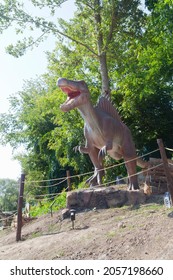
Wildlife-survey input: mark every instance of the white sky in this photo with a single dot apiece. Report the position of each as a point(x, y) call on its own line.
point(13, 72)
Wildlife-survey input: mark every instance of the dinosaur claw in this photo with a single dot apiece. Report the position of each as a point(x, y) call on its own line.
point(102, 153)
point(76, 149)
point(132, 187)
point(96, 179)
point(92, 181)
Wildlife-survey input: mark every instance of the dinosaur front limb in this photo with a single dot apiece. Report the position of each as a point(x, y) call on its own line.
point(81, 149)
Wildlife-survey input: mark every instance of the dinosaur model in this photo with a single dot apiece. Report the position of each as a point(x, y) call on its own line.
point(104, 131)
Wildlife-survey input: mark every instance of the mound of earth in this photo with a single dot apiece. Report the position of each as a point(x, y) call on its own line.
point(139, 232)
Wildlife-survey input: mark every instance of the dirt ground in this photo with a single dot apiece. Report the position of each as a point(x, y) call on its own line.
point(140, 232)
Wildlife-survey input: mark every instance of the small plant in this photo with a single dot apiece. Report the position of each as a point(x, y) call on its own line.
point(35, 234)
point(43, 208)
point(82, 185)
point(111, 234)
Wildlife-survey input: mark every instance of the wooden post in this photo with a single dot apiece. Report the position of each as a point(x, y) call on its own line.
point(51, 210)
point(19, 208)
point(68, 180)
point(166, 167)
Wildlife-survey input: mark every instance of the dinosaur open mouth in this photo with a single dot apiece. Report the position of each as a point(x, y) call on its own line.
point(70, 92)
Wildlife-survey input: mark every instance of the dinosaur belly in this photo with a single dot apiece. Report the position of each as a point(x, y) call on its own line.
point(98, 141)
point(94, 137)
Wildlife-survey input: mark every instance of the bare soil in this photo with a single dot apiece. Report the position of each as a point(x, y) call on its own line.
point(139, 232)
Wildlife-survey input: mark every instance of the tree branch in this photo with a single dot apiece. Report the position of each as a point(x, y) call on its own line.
point(76, 41)
point(113, 24)
point(49, 26)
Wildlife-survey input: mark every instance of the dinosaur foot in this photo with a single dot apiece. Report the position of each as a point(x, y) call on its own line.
point(132, 187)
point(96, 179)
point(92, 181)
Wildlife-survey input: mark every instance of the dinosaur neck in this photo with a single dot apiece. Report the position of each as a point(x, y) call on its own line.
point(89, 115)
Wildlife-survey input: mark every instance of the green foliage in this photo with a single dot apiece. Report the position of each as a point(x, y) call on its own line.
point(116, 16)
point(112, 173)
point(8, 194)
point(145, 81)
point(150, 4)
point(44, 207)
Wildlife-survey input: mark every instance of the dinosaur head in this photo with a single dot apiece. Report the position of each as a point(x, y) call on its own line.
point(77, 92)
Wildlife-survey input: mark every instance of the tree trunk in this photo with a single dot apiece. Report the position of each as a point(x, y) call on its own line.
point(104, 74)
point(101, 51)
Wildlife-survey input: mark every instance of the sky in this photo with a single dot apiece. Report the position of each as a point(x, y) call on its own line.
point(13, 73)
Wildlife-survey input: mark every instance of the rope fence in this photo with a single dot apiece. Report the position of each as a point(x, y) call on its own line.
point(138, 173)
point(7, 218)
point(63, 179)
point(53, 185)
point(47, 197)
point(50, 196)
point(87, 173)
point(54, 195)
point(169, 149)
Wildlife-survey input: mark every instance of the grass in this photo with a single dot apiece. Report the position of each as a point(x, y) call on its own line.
point(35, 234)
point(59, 202)
point(111, 234)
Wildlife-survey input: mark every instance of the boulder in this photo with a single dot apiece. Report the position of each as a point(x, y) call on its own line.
point(104, 197)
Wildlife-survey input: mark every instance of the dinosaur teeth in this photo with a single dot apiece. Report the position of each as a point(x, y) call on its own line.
point(70, 92)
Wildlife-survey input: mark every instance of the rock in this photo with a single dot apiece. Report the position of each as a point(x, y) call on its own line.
point(135, 197)
point(121, 225)
point(103, 197)
point(65, 213)
point(115, 198)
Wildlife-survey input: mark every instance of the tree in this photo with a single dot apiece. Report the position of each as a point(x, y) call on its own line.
point(145, 80)
point(150, 4)
point(8, 195)
point(33, 120)
point(97, 24)
point(138, 58)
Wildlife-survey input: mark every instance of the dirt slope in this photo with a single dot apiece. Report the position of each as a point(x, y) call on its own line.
point(141, 232)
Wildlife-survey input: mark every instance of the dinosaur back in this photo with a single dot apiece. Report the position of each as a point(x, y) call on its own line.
point(106, 105)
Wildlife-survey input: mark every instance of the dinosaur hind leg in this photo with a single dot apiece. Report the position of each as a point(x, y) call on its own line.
point(96, 179)
point(129, 155)
point(132, 177)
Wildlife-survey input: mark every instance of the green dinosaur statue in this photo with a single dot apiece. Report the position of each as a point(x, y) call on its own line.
point(104, 131)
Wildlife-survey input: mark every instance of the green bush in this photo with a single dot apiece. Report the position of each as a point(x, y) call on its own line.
point(44, 207)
